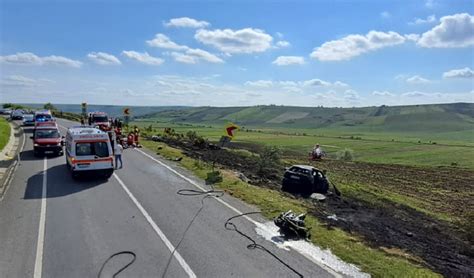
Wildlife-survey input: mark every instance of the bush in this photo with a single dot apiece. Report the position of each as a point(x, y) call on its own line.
point(346, 154)
point(269, 158)
point(213, 177)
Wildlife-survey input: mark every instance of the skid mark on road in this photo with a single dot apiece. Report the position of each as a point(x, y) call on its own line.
point(40, 243)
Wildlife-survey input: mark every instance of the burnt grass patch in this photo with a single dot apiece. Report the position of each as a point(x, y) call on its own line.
point(442, 246)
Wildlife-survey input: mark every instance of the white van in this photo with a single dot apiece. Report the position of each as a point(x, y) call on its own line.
point(89, 150)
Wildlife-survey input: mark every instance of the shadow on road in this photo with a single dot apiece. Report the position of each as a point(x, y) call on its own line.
point(28, 155)
point(28, 130)
point(60, 183)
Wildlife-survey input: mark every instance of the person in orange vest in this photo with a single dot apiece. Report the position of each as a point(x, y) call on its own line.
point(130, 139)
point(137, 135)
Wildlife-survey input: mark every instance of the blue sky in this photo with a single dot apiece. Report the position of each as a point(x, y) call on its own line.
point(227, 53)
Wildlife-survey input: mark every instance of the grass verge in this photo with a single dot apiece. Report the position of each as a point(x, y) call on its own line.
point(4, 132)
point(378, 262)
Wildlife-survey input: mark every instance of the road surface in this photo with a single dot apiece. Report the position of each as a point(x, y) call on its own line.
point(54, 226)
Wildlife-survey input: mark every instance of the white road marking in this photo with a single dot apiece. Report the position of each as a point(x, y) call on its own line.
point(329, 270)
point(40, 243)
point(158, 231)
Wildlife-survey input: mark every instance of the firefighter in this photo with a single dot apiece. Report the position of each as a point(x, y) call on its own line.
point(136, 132)
point(131, 139)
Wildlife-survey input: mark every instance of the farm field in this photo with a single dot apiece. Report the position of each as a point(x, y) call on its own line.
point(368, 147)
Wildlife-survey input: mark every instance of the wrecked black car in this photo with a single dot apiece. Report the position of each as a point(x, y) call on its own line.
point(304, 179)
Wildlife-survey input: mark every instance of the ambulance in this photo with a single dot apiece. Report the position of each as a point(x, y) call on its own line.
point(88, 150)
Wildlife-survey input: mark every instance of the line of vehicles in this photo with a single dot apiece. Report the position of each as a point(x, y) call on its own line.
point(88, 148)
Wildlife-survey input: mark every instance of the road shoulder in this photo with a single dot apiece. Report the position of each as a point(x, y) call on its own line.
point(9, 157)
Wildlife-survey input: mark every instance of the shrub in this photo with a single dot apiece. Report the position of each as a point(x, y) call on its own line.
point(269, 158)
point(346, 154)
point(213, 177)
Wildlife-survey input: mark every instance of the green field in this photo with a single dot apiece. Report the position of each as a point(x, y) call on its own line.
point(4, 132)
point(424, 135)
point(374, 147)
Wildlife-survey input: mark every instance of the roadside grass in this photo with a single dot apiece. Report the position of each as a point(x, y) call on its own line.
point(382, 262)
point(4, 132)
point(368, 147)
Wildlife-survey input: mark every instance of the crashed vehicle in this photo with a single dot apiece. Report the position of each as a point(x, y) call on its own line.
point(304, 179)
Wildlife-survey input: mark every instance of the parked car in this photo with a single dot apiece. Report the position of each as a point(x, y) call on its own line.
point(304, 179)
point(17, 115)
point(28, 120)
point(5, 111)
point(47, 139)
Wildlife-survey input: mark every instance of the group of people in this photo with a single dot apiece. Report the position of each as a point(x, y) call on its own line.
point(132, 141)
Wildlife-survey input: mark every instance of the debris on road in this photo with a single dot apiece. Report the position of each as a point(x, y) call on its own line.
point(292, 225)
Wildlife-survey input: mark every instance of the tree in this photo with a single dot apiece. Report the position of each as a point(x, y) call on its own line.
point(49, 106)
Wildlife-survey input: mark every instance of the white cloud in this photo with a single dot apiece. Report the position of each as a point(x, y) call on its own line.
point(193, 56)
point(298, 85)
point(279, 35)
point(454, 31)
point(429, 19)
point(355, 45)
point(412, 37)
point(22, 81)
point(416, 79)
point(102, 58)
point(186, 22)
point(162, 41)
point(316, 82)
point(18, 81)
point(340, 84)
point(283, 44)
point(259, 83)
point(143, 58)
point(246, 40)
point(382, 93)
point(28, 58)
point(415, 94)
point(459, 73)
point(385, 15)
point(288, 60)
point(351, 96)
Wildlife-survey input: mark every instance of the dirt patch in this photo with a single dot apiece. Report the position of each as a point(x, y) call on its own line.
point(443, 247)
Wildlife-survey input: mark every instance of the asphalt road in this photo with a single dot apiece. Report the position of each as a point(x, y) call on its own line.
point(54, 226)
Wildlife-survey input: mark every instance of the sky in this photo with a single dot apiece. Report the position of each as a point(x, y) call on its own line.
point(237, 53)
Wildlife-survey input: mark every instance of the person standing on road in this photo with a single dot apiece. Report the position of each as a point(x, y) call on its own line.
point(118, 155)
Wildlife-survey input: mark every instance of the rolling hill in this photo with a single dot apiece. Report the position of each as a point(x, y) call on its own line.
point(112, 110)
point(455, 117)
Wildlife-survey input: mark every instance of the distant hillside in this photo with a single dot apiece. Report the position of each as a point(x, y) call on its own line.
point(112, 110)
point(415, 118)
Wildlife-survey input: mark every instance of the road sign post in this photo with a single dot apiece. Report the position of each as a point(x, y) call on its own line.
point(84, 111)
point(126, 117)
